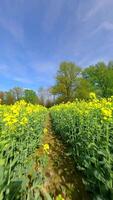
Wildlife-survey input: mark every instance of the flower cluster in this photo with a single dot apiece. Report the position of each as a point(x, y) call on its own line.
point(46, 148)
point(59, 197)
point(18, 115)
point(21, 129)
point(87, 127)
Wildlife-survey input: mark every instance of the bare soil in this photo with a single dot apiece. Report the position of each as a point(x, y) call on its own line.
point(61, 176)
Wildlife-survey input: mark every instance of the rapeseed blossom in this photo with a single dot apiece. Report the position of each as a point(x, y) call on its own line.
point(46, 148)
point(59, 197)
point(106, 113)
point(24, 121)
point(17, 115)
point(45, 130)
point(21, 128)
point(92, 95)
point(87, 126)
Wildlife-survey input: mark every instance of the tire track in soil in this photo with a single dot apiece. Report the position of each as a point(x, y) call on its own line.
point(61, 177)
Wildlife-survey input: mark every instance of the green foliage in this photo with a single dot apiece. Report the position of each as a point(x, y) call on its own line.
point(19, 180)
point(30, 96)
point(87, 128)
point(9, 98)
point(100, 76)
point(71, 83)
point(16, 94)
point(83, 89)
point(66, 81)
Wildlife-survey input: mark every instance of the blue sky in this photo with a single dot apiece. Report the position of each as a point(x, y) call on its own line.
point(36, 35)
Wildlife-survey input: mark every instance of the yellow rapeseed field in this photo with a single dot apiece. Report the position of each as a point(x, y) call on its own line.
point(87, 127)
point(21, 129)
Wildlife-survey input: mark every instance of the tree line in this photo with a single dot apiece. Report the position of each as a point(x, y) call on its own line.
point(71, 82)
point(42, 96)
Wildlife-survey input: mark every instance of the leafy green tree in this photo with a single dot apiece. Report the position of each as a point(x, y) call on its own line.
point(30, 96)
point(100, 77)
point(66, 82)
point(83, 89)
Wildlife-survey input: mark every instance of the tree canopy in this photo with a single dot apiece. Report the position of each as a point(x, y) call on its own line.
point(30, 96)
point(71, 82)
point(100, 76)
point(66, 81)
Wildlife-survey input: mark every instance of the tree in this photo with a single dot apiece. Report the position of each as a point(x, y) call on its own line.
point(45, 97)
point(2, 94)
point(17, 93)
point(83, 89)
point(30, 96)
point(41, 95)
point(66, 81)
point(9, 98)
point(100, 77)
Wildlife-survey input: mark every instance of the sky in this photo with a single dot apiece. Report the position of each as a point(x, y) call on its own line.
point(37, 35)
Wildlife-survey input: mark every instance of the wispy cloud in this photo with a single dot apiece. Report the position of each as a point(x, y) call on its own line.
point(14, 28)
point(52, 14)
point(18, 74)
point(104, 26)
point(39, 73)
point(23, 80)
point(96, 7)
point(44, 69)
point(35, 36)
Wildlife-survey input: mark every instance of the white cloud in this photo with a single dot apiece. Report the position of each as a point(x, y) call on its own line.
point(106, 25)
point(96, 7)
point(40, 72)
point(44, 68)
point(14, 28)
point(18, 73)
point(23, 80)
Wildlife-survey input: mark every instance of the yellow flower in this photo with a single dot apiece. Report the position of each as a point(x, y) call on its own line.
point(45, 130)
point(24, 121)
point(46, 148)
point(92, 95)
point(29, 109)
point(59, 197)
point(21, 103)
point(107, 113)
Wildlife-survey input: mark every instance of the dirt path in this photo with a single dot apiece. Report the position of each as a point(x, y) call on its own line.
point(61, 176)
